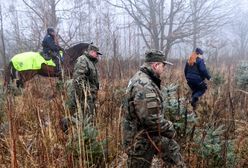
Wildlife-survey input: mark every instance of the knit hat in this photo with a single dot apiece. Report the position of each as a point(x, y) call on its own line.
point(199, 51)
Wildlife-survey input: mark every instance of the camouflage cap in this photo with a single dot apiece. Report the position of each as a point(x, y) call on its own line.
point(95, 48)
point(156, 56)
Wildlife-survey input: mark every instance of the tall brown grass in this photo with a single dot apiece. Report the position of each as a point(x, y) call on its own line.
point(34, 138)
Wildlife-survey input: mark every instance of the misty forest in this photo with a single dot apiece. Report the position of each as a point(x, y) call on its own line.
point(214, 135)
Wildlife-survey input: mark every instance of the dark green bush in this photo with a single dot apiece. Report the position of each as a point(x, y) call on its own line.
point(241, 75)
point(86, 147)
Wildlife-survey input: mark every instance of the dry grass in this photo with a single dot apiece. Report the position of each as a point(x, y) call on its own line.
point(34, 138)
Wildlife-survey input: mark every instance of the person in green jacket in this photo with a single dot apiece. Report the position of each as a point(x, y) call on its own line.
point(83, 88)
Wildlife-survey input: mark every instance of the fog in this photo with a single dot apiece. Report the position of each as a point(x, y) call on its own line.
point(175, 27)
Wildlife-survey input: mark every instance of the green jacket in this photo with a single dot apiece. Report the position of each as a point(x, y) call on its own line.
point(85, 76)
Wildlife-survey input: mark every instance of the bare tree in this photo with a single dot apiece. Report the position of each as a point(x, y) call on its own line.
point(45, 10)
point(164, 23)
point(160, 25)
point(3, 53)
point(240, 30)
point(207, 16)
point(43, 15)
point(146, 17)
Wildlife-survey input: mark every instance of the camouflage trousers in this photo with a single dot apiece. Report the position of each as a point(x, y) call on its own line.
point(142, 152)
point(83, 115)
point(82, 111)
point(78, 104)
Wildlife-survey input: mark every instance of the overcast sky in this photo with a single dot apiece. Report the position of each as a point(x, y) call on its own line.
point(65, 4)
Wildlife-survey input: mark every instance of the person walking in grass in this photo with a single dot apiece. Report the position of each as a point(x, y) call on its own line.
point(146, 132)
point(195, 72)
point(82, 89)
point(86, 80)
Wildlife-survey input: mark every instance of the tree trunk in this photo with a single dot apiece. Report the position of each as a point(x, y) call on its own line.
point(170, 32)
point(194, 24)
point(3, 53)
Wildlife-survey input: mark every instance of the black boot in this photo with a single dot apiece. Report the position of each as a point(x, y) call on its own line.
point(58, 72)
point(193, 102)
point(57, 65)
point(64, 124)
point(20, 83)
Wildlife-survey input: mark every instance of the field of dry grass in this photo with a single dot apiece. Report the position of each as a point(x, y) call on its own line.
point(33, 137)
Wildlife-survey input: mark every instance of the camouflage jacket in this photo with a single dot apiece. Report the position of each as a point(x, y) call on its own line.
point(144, 112)
point(85, 76)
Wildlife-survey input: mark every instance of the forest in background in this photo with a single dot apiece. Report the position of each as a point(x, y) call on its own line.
point(128, 28)
point(30, 133)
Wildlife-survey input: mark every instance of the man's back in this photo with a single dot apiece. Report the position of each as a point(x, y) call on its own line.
point(145, 106)
point(131, 123)
point(145, 130)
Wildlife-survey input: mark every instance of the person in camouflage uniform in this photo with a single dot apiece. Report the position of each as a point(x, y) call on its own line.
point(82, 89)
point(146, 132)
point(85, 80)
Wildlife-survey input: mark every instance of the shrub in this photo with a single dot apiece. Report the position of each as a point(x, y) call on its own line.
point(209, 141)
point(242, 75)
point(2, 103)
point(85, 146)
point(217, 79)
point(175, 110)
point(211, 145)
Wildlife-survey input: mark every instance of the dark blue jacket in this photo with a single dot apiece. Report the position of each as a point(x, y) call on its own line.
point(49, 45)
point(196, 73)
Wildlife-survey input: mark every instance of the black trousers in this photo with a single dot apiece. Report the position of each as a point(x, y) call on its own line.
point(55, 56)
point(198, 89)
